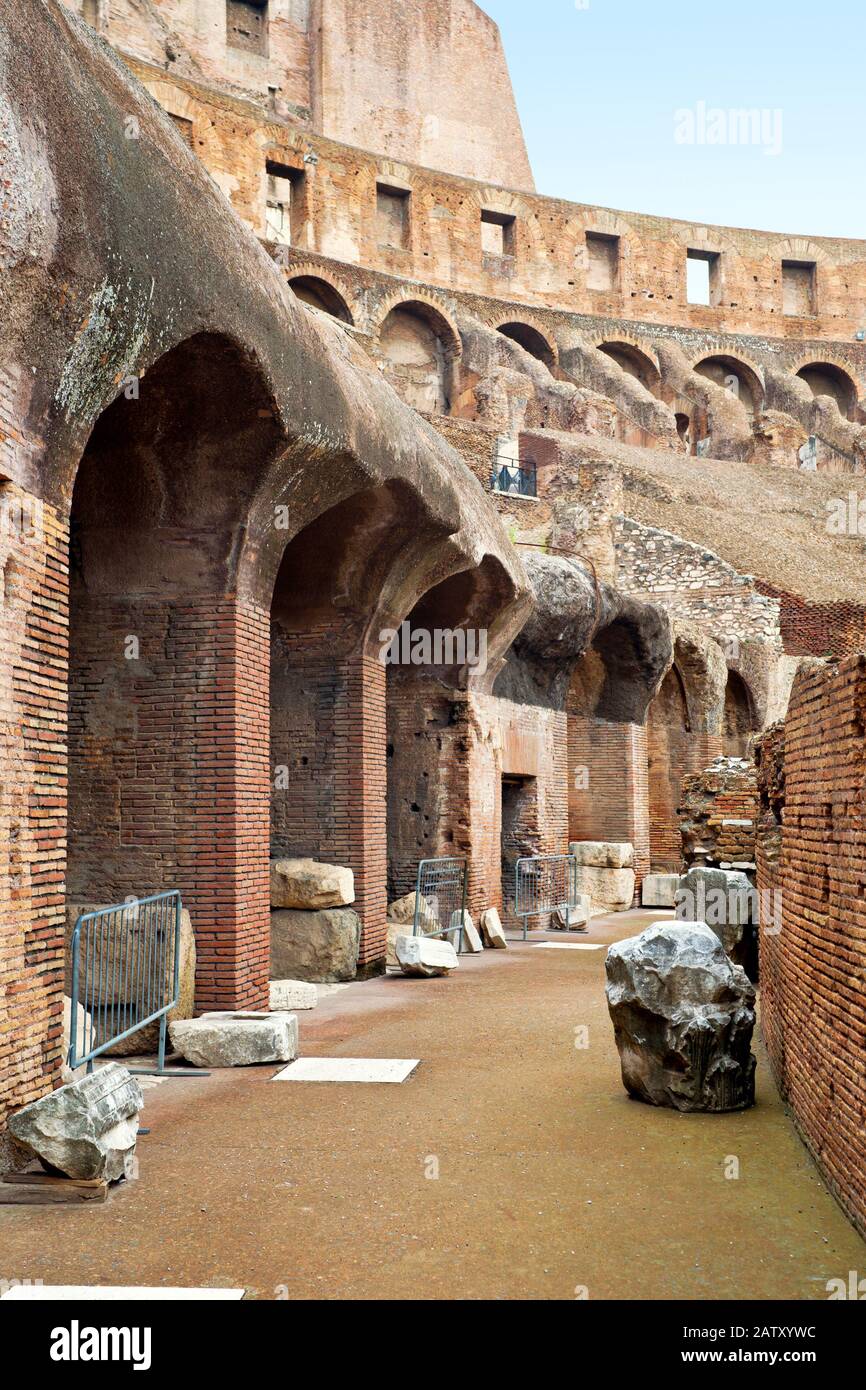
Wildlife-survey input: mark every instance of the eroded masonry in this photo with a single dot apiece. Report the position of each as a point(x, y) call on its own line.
point(291, 368)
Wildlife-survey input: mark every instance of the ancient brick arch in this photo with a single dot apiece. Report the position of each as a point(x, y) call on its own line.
point(323, 291)
point(531, 338)
point(734, 374)
point(634, 358)
point(418, 347)
point(825, 377)
point(163, 764)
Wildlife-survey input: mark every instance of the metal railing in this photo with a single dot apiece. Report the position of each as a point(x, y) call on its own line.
point(545, 885)
point(518, 479)
point(440, 899)
point(125, 973)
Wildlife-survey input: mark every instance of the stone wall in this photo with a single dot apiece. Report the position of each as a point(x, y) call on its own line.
point(424, 80)
point(693, 584)
point(812, 845)
point(546, 267)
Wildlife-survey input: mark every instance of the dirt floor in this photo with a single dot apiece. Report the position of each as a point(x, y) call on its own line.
point(550, 1180)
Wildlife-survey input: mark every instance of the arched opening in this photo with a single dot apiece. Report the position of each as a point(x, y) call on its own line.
point(636, 363)
point(320, 295)
point(530, 340)
point(444, 775)
point(826, 379)
point(160, 739)
point(734, 376)
point(418, 350)
point(684, 430)
point(739, 721)
point(608, 700)
point(669, 758)
point(327, 724)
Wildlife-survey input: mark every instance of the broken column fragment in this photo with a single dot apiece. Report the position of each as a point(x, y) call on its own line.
point(683, 1016)
point(87, 1129)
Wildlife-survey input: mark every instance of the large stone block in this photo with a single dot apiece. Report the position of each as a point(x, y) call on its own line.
point(425, 956)
point(288, 995)
point(319, 946)
point(726, 900)
point(610, 890)
point(309, 885)
point(683, 1016)
point(660, 890)
point(240, 1039)
point(151, 945)
point(602, 854)
point(468, 942)
point(491, 930)
point(86, 1129)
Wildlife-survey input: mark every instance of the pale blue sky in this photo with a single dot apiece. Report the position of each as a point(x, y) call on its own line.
point(598, 87)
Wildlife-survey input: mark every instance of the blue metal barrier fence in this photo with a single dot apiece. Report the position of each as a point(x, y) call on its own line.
point(545, 884)
point(440, 899)
point(125, 973)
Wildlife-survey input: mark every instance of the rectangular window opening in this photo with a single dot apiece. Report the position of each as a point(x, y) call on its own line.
point(392, 216)
point(497, 233)
point(702, 277)
point(247, 26)
point(798, 288)
point(602, 261)
point(284, 212)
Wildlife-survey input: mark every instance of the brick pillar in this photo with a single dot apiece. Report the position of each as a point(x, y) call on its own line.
point(614, 802)
point(33, 633)
point(224, 854)
point(169, 773)
point(328, 738)
point(360, 795)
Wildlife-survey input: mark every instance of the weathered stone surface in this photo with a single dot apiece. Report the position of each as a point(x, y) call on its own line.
point(309, 885)
point(610, 890)
point(660, 890)
point(602, 854)
point(683, 1016)
point(491, 930)
point(86, 1129)
point(315, 946)
point(288, 995)
point(469, 943)
point(403, 910)
point(727, 902)
point(425, 956)
point(240, 1039)
point(577, 916)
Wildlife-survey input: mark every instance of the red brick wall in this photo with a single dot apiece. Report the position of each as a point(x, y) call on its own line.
point(33, 634)
point(169, 774)
point(818, 629)
point(615, 803)
point(813, 1012)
